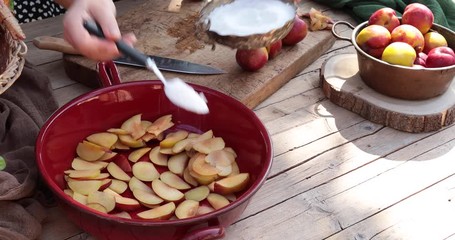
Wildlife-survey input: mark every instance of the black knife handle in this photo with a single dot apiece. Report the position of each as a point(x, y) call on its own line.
point(95, 29)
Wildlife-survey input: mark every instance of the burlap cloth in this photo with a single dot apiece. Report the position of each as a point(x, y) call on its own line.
point(24, 107)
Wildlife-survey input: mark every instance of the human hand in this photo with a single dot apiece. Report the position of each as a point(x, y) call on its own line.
point(103, 12)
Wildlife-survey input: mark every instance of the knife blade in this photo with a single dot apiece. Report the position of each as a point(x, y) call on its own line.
point(163, 63)
point(173, 65)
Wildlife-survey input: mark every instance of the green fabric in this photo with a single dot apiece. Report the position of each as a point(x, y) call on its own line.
point(443, 10)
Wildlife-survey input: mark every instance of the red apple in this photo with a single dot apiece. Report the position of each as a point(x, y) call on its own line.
point(386, 17)
point(419, 16)
point(433, 40)
point(274, 49)
point(440, 57)
point(373, 39)
point(252, 59)
point(410, 35)
point(298, 32)
point(421, 59)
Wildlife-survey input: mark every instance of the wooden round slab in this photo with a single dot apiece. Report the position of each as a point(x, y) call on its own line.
point(342, 84)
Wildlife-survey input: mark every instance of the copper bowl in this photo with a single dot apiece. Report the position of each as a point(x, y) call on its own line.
point(401, 82)
point(110, 106)
point(253, 41)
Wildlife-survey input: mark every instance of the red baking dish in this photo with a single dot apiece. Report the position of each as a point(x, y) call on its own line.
point(108, 107)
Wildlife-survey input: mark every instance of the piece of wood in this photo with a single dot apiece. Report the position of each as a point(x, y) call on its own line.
point(343, 85)
point(171, 34)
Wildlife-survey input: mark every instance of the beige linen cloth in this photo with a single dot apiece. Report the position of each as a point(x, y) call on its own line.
point(24, 107)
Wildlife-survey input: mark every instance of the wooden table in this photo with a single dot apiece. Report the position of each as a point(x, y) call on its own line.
point(335, 175)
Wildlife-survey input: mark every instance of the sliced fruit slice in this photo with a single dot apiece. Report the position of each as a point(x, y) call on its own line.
point(162, 212)
point(84, 187)
point(174, 180)
point(172, 138)
point(209, 145)
point(104, 139)
point(189, 179)
point(145, 171)
point(122, 214)
point(117, 173)
point(166, 192)
point(83, 174)
point(200, 166)
point(147, 197)
point(204, 209)
point(129, 141)
point(135, 155)
point(232, 184)
point(177, 163)
point(89, 151)
point(80, 164)
point(197, 194)
point(118, 186)
point(135, 183)
point(158, 158)
point(80, 198)
point(126, 204)
point(104, 199)
point(187, 209)
point(160, 125)
point(217, 201)
point(97, 207)
point(134, 127)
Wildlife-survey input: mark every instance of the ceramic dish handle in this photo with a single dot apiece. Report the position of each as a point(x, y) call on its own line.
point(208, 233)
point(338, 35)
point(108, 74)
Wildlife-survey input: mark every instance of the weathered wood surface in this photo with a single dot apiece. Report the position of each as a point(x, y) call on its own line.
point(335, 175)
point(171, 34)
point(343, 85)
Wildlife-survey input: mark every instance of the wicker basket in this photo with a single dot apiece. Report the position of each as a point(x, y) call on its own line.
point(12, 48)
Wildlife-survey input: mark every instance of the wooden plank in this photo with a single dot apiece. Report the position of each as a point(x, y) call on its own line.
point(349, 189)
point(154, 37)
point(426, 215)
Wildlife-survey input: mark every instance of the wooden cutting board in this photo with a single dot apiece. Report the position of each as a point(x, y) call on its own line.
point(171, 34)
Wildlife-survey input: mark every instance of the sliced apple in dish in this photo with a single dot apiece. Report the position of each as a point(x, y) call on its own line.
point(104, 199)
point(104, 139)
point(126, 204)
point(145, 171)
point(187, 209)
point(134, 127)
point(148, 198)
point(162, 212)
point(117, 173)
point(197, 194)
point(232, 184)
point(217, 201)
point(118, 186)
point(157, 157)
point(90, 151)
point(172, 138)
point(80, 164)
point(84, 187)
point(174, 181)
point(177, 163)
point(135, 183)
point(166, 192)
point(135, 155)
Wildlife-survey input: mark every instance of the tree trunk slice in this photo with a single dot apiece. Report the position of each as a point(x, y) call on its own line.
point(342, 84)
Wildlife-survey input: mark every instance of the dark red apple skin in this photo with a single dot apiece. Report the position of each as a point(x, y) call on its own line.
point(274, 49)
point(298, 32)
point(440, 57)
point(251, 59)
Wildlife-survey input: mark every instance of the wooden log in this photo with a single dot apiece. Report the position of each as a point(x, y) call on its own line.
point(342, 84)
